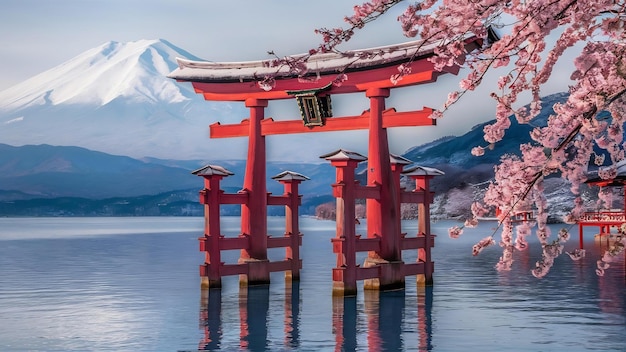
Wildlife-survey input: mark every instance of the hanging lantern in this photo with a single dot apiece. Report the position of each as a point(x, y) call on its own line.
point(314, 105)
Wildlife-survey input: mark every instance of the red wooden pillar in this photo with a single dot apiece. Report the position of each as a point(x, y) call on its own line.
point(422, 176)
point(344, 244)
point(383, 213)
point(254, 211)
point(290, 181)
point(210, 197)
point(423, 215)
point(397, 165)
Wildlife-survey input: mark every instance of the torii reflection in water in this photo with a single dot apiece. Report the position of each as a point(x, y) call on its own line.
point(386, 320)
point(253, 317)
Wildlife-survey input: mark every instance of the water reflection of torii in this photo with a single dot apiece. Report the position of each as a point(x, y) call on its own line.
point(253, 318)
point(386, 321)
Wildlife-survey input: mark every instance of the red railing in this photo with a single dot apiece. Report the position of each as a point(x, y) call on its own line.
point(603, 216)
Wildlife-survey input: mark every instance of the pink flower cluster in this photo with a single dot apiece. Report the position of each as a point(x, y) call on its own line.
point(482, 244)
point(576, 254)
point(610, 255)
point(455, 232)
point(550, 252)
point(363, 14)
point(605, 198)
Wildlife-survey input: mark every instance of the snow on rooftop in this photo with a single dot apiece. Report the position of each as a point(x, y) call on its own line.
point(400, 160)
point(290, 175)
point(209, 170)
point(189, 70)
point(418, 170)
point(343, 154)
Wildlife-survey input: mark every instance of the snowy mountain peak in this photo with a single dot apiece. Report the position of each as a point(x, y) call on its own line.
point(134, 71)
point(116, 98)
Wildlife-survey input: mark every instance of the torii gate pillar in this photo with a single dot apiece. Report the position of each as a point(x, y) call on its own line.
point(383, 213)
point(254, 211)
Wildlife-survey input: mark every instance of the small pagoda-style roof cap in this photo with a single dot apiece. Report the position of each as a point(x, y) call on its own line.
point(290, 176)
point(343, 154)
point(399, 160)
point(418, 170)
point(209, 170)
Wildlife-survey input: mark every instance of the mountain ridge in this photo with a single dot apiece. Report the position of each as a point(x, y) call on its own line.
point(457, 150)
point(116, 98)
point(65, 83)
point(48, 171)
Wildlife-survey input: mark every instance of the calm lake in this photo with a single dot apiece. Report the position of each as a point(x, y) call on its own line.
point(131, 284)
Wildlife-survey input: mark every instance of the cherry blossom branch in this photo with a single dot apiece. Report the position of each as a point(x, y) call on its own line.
point(363, 14)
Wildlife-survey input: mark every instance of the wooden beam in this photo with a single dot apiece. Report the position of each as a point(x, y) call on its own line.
point(422, 72)
point(391, 118)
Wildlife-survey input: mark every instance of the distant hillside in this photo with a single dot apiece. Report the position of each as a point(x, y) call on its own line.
point(456, 150)
point(174, 203)
point(72, 181)
point(53, 180)
point(46, 171)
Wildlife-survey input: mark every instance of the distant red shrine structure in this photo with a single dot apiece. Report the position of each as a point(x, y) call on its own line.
point(256, 83)
point(605, 219)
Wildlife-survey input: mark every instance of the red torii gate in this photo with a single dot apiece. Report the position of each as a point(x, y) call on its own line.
point(367, 71)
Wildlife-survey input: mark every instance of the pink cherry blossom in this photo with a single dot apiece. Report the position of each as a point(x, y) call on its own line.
point(482, 244)
point(455, 232)
point(478, 151)
point(576, 254)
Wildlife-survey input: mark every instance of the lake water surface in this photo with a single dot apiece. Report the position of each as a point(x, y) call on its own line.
point(131, 284)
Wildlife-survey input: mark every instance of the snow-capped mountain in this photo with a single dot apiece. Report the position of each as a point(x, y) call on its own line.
point(115, 98)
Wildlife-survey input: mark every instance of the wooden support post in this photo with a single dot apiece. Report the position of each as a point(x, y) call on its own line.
point(212, 232)
point(344, 275)
point(397, 165)
point(344, 244)
point(383, 213)
point(210, 197)
point(423, 215)
point(292, 229)
point(254, 211)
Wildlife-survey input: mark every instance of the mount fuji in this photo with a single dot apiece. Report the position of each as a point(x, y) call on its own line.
point(116, 99)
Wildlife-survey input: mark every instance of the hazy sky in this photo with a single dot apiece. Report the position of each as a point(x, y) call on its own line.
point(36, 35)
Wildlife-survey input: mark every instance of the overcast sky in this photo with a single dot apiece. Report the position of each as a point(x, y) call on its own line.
point(36, 35)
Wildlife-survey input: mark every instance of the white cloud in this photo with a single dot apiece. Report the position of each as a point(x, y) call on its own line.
point(17, 119)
